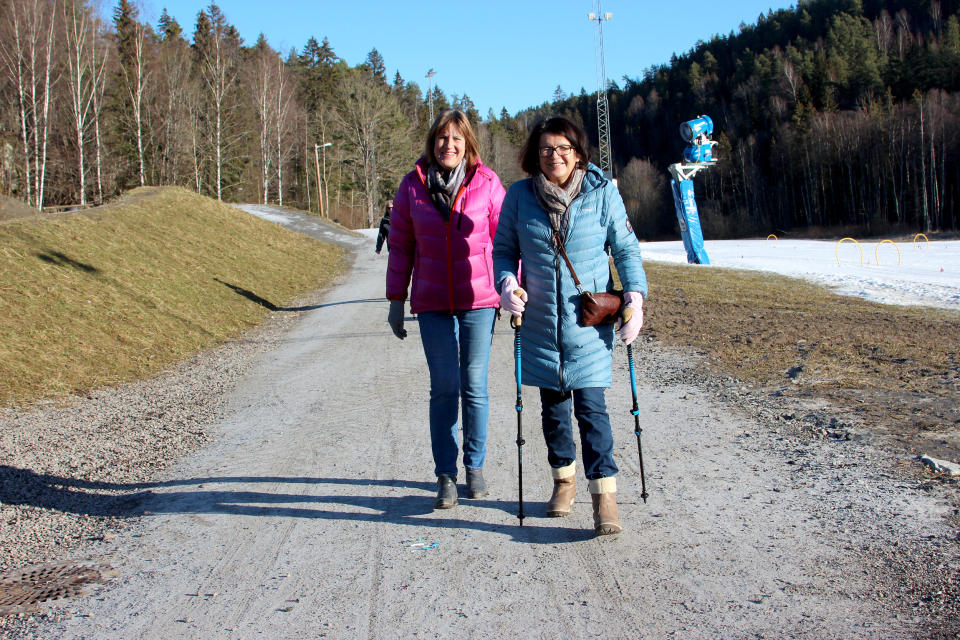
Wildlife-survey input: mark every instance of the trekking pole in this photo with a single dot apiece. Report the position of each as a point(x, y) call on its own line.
point(515, 322)
point(627, 313)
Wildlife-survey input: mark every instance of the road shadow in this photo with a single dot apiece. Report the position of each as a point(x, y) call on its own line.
point(138, 499)
point(266, 304)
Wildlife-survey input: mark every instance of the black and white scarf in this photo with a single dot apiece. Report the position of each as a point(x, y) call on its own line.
point(444, 191)
point(555, 200)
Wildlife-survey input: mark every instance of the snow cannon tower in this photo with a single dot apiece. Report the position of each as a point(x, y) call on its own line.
point(697, 155)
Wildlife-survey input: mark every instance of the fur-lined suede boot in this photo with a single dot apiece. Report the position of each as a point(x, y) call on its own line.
point(606, 520)
point(564, 491)
point(446, 493)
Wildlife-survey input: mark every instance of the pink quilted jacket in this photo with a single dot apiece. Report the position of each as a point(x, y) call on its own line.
point(449, 263)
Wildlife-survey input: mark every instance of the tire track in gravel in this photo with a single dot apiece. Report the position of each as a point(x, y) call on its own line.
point(377, 541)
point(593, 563)
point(244, 560)
point(386, 469)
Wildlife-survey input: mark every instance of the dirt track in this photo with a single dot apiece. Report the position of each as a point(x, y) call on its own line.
point(310, 513)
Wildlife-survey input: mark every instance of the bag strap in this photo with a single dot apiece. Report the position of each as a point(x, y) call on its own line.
point(559, 242)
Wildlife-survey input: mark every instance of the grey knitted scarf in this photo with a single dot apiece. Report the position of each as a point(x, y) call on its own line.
point(444, 191)
point(556, 200)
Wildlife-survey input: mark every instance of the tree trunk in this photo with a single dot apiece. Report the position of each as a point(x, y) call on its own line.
point(923, 170)
point(82, 76)
point(14, 61)
point(47, 85)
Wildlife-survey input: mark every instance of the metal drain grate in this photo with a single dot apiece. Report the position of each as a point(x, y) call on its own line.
point(23, 589)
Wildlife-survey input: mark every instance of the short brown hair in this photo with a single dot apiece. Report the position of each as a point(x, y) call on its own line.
point(557, 125)
point(459, 120)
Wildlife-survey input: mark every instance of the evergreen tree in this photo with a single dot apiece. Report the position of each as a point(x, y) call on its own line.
point(168, 27)
point(375, 64)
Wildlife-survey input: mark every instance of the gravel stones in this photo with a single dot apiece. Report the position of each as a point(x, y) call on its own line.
point(74, 471)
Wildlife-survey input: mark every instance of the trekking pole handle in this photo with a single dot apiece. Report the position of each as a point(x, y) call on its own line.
point(516, 321)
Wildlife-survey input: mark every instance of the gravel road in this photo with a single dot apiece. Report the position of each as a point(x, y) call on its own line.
point(303, 509)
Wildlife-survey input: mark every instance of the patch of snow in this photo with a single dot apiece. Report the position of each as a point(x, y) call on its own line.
point(926, 274)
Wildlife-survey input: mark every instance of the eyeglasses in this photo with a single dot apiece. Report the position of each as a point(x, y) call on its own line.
point(562, 150)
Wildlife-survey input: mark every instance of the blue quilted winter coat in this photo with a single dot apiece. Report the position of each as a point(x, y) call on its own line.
point(557, 351)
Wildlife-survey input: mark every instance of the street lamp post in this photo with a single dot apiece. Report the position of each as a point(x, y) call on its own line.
point(316, 159)
point(430, 75)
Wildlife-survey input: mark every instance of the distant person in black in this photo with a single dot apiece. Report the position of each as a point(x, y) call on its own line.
point(385, 227)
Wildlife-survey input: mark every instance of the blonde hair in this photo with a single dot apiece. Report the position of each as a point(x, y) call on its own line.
point(459, 120)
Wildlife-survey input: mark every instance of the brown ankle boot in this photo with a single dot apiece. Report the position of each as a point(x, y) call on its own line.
point(606, 520)
point(564, 491)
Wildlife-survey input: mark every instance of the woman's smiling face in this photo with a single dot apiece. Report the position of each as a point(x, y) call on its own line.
point(557, 168)
point(449, 147)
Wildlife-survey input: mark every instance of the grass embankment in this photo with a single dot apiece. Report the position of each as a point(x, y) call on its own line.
point(118, 293)
point(11, 208)
point(898, 368)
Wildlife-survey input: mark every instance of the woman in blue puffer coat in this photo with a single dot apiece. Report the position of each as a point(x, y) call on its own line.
point(567, 200)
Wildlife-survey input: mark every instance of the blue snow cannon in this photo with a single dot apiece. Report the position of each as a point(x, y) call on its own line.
point(692, 129)
point(698, 153)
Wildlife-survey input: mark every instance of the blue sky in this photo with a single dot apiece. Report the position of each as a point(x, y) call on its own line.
point(500, 53)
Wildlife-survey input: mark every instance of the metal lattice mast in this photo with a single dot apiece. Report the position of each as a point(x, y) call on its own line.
point(603, 118)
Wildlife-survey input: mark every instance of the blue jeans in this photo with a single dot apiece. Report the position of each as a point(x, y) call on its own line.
point(457, 347)
point(596, 439)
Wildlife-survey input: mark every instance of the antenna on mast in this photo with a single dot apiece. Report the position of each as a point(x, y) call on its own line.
point(603, 118)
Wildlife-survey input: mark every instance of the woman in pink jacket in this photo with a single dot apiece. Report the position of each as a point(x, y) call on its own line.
point(444, 220)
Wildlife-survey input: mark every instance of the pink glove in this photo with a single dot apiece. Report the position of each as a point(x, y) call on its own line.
point(629, 330)
point(512, 297)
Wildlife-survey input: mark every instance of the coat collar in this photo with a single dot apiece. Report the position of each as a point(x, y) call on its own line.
point(422, 164)
point(593, 179)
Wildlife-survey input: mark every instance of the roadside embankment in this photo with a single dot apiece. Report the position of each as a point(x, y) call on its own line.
point(118, 293)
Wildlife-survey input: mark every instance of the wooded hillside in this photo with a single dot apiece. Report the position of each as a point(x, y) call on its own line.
point(833, 113)
point(837, 112)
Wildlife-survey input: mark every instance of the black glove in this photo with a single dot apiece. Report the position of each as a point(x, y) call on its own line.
point(395, 319)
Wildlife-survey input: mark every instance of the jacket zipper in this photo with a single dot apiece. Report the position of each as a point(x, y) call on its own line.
point(460, 192)
point(557, 269)
point(463, 188)
point(556, 266)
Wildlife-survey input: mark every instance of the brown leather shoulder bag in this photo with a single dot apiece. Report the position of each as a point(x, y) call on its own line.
point(596, 307)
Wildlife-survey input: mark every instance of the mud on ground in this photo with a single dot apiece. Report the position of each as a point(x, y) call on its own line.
point(891, 371)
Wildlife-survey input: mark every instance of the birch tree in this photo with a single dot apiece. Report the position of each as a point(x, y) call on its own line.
point(261, 79)
point(283, 98)
point(84, 74)
point(374, 132)
point(99, 54)
point(217, 45)
point(27, 52)
point(131, 46)
point(176, 103)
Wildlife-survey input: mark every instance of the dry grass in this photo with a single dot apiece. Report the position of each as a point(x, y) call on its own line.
point(11, 208)
point(120, 292)
point(896, 368)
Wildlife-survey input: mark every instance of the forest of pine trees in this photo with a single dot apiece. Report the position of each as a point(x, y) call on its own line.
point(835, 113)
